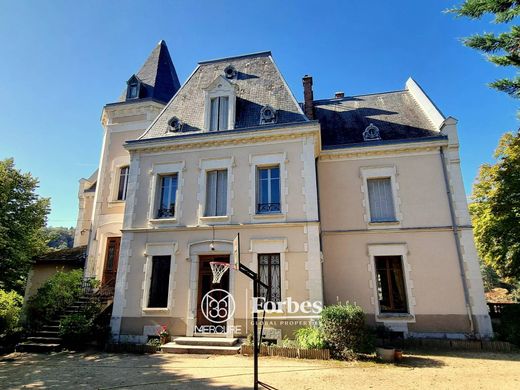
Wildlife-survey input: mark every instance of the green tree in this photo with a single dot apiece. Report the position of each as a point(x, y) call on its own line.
point(502, 49)
point(495, 209)
point(59, 237)
point(22, 218)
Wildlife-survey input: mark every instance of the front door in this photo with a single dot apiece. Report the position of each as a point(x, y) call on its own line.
point(206, 285)
point(111, 260)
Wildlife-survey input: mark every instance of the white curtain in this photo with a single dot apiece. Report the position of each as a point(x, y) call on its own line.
point(381, 200)
point(216, 193)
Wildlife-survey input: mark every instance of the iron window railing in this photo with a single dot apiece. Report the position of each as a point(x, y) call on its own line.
point(166, 212)
point(266, 208)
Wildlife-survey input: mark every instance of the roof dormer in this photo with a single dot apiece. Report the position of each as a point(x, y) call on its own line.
point(133, 88)
point(220, 105)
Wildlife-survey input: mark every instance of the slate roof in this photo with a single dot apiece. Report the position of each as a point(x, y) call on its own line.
point(158, 76)
point(258, 83)
point(396, 114)
point(75, 255)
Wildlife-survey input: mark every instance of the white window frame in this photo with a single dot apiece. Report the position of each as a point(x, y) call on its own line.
point(401, 250)
point(117, 164)
point(380, 173)
point(212, 165)
point(125, 187)
point(158, 170)
point(159, 249)
point(266, 161)
point(220, 87)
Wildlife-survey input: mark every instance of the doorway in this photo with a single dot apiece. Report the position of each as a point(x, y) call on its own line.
point(111, 261)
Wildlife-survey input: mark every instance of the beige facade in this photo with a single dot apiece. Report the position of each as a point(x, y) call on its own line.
point(324, 231)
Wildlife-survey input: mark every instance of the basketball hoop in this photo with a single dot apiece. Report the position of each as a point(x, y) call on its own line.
point(219, 269)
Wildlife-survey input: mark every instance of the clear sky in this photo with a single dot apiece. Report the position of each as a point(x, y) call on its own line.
point(61, 61)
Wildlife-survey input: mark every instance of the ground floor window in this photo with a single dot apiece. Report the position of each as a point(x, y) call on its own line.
point(391, 288)
point(269, 271)
point(160, 279)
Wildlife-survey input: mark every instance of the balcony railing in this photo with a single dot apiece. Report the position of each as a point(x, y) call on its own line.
point(166, 212)
point(267, 208)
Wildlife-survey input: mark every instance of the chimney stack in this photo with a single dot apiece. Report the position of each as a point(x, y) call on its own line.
point(308, 97)
point(339, 95)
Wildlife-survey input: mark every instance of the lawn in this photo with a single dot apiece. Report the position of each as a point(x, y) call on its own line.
point(95, 370)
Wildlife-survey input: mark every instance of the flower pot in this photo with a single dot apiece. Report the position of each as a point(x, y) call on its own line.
point(398, 355)
point(385, 354)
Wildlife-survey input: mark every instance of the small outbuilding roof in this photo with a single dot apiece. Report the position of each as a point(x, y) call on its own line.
point(74, 255)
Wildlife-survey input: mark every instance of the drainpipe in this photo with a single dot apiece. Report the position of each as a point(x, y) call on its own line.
point(455, 229)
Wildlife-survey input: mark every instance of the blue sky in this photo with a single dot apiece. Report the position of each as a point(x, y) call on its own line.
point(61, 61)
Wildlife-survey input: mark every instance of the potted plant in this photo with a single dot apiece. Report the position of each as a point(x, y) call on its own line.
point(164, 335)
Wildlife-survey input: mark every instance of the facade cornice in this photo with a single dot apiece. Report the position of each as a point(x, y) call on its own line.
point(212, 140)
point(382, 150)
point(129, 109)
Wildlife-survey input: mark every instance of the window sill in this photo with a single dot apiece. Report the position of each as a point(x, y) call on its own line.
point(156, 311)
point(384, 224)
point(219, 218)
point(116, 202)
point(269, 216)
point(160, 221)
point(404, 317)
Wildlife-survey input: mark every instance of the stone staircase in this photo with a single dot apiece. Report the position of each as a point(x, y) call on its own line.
point(47, 338)
point(203, 345)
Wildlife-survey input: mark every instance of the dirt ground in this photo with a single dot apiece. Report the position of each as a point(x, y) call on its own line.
point(95, 370)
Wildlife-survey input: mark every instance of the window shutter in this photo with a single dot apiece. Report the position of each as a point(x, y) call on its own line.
point(381, 200)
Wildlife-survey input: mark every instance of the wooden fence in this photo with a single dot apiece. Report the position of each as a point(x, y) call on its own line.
point(298, 353)
point(462, 345)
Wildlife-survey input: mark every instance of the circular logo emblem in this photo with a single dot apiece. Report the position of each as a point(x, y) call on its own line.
point(218, 306)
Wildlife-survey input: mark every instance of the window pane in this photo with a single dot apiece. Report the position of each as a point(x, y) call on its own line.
point(159, 283)
point(213, 126)
point(123, 183)
point(268, 193)
point(269, 272)
point(211, 194)
point(390, 284)
point(168, 196)
point(381, 200)
point(221, 192)
point(223, 113)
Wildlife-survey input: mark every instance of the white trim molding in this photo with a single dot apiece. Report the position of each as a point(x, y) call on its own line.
point(158, 170)
point(261, 161)
point(117, 164)
point(377, 172)
point(210, 165)
point(397, 249)
point(159, 249)
point(220, 87)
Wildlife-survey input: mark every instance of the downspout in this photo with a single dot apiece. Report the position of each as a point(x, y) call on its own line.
point(320, 236)
point(455, 229)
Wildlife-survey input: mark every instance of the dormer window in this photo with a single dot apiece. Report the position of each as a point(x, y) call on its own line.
point(219, 113)
point(220, 105)
point(230, 72)
point(175, 125)
point(267, 115)
point(133, 87)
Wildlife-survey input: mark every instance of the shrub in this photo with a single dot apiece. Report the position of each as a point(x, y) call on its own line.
point(76, 328)
point(509, 328)
point(10, 309)
point(310, 337)
point(60, 291)
point(343, 328)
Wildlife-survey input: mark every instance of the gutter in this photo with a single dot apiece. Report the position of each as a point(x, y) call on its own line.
point(456, 237)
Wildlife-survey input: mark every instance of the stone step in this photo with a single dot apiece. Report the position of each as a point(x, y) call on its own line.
point(206, 341)
point(37, 347)
point(200, 349)
point(44, 340)
point(47, 333)
point(51, 328)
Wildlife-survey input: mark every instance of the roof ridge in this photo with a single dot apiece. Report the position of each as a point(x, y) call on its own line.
point(366, 94)
point(256, 54)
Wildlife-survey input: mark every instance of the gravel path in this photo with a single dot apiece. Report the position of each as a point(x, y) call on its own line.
point(461, 370)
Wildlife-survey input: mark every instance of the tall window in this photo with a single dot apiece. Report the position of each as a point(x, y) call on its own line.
point(123, 183)
point(216, 193)
point(269, 271)
point(159, 283)
point(133, 90)
point(268, 193)
point(390, 284)
point(168, 195)
point(219, 113)
point(381, 200)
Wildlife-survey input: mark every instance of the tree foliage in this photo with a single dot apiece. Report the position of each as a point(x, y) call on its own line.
point(10, 309)
point(22, 218)
point(496, 209)
point(502, 49)
point(60, 237)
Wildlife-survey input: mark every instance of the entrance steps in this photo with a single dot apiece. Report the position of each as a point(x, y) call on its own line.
point(203, 345)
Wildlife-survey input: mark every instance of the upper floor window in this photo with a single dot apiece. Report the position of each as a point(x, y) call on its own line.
point(268, 190)
point(391, 289)
point(132, 89)
point(216, 193)
point(168, 195)
point(219, 113)
point(381, 200)
point(123, 183)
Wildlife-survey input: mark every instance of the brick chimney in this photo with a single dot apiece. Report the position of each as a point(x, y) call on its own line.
point(339, 95)
point(308, 97)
